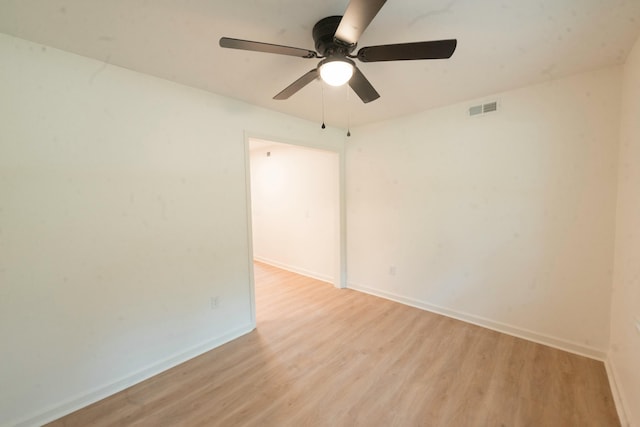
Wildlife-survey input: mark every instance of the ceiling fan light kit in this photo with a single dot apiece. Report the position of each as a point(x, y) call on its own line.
point(336, 71)
point(335, 38)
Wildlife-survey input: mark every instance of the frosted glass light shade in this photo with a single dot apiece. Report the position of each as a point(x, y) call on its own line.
point(336, 72)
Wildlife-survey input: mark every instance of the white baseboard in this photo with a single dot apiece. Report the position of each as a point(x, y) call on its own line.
point(294, 269)
point(561, 344)
point(618, 396)
point(58, 410)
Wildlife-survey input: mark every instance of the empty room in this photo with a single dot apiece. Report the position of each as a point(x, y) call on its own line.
point(303, 213)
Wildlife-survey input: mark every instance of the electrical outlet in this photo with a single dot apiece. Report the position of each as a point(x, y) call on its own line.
point(392, 270)
point(215, 302)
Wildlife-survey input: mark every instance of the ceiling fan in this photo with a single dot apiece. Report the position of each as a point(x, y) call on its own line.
point(335, 38)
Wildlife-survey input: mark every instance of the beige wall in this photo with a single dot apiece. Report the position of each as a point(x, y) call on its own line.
point(123, 210)
point(505, 220)
point(625, 308)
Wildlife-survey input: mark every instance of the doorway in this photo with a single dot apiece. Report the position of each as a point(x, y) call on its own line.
point(295, 208)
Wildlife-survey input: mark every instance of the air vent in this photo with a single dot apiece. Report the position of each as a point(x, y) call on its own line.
point(478, 110)
point(490, 107)
point(475, 110)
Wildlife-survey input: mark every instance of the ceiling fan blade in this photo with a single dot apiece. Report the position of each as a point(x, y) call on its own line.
point(266, 47)
point(362, 87)
point(356, 19)
point(437, 49)
point(297, 85)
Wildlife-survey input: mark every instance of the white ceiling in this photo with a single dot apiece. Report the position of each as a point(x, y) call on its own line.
point(502, 44)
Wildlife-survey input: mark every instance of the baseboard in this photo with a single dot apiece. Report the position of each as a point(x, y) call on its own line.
point(515, 331)
point(294, 269)
point(618, 397)
point(61, 409)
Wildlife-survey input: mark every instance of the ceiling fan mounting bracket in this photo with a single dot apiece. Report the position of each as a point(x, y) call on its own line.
point(326, 44)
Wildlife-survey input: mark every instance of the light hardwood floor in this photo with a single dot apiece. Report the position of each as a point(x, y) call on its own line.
point(327, 357)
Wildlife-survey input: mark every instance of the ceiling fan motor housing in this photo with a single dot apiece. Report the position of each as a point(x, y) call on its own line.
point(323, 36)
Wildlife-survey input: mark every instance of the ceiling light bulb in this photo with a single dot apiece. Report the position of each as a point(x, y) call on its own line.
point(336, 72)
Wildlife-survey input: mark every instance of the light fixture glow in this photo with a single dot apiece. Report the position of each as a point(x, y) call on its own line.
point(336, 72)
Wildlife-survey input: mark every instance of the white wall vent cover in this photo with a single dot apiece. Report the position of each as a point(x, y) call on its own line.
point(478, 110)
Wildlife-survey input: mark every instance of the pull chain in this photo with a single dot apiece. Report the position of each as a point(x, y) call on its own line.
point(348, 113)
point(322, 88)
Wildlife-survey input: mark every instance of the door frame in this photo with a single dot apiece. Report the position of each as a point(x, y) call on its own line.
point(340, 276)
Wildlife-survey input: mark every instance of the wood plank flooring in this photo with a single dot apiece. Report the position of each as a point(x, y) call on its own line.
point(321, 356)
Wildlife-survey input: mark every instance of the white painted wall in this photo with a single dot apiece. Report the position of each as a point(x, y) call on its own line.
point(505, 220)
point(625, 312)
point(123, 209)
point(296, 209)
